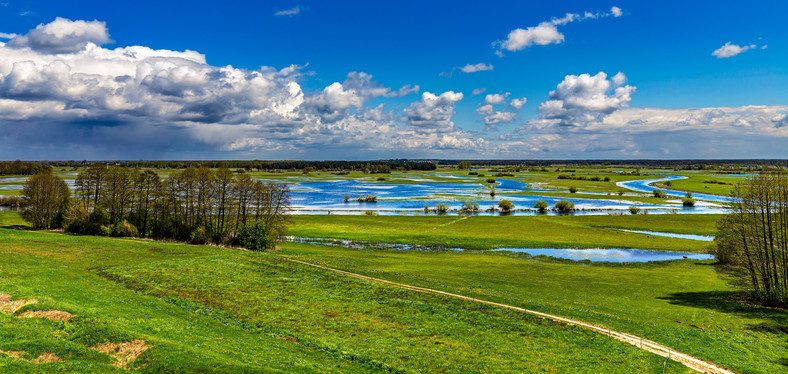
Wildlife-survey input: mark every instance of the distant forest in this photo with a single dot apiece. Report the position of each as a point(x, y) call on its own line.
point(385, 166)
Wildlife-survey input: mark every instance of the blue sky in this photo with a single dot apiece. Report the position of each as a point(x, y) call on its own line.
point(698, 72)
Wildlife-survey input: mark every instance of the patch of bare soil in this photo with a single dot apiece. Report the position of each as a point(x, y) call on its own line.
point(123, 353)
point(9, 306)
point(14, 354)
point(44, 358)
point(53, 315)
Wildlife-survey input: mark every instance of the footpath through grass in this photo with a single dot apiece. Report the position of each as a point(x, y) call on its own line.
point(684, 304)
point(208, 309)
point(480, 232)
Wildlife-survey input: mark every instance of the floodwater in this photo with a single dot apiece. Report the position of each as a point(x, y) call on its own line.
point(324, 195)
point(643, 186)
point(620, 255)
point(703, 238)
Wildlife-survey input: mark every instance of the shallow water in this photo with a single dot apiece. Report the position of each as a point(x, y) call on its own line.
point(595, 255)
point(610, 254)
point(643, 186)
point(704, 238)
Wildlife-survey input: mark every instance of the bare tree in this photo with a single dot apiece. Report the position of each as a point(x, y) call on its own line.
point(754, 236)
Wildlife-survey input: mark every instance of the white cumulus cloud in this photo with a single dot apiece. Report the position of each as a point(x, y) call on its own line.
point(472, 68)
point(546, 32)
point(62, 36)
point(730, 50)
point(581, 99)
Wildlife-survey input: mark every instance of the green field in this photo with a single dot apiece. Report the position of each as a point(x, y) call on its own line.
point(203, 308)
point(481, 232)
point(210, 309)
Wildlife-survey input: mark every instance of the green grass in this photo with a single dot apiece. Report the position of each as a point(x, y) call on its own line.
point(685, 305)
point(700, 183)
point(481, 232)
point(208, 309)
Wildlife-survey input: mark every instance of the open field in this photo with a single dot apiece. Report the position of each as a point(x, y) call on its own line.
point(499, 232)
point(205, 308)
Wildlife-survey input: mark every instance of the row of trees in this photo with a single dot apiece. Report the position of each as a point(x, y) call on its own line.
point(22, 167)
point(200, 205)
point(753, 238)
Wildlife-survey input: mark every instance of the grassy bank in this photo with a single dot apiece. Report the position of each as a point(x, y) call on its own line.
point(210, 309)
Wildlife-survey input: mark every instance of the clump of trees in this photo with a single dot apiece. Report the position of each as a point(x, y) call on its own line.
point(573, 189)
point(367, 199)
point(753, 238)
point(634, 210)
point(442, 208)
point(470, 206)
point(541, 206)
point(564, 206)
point(464, 165)
point(506, 206)
point(659, 193)
point(45, 199)
point(23, 168)
point(199, 205)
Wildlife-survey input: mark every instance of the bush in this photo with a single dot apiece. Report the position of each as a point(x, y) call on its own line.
point(541, 205)
point(506, 205)
point(470, 206)
point(490, 180)
point(660, 194)
point(442, 208)
point(564, 206)
point(76, 220)
point(255, 236)
point(199, 236)
point(634, 210)
point(124, 229)
point(688, 201)
point(572, 189)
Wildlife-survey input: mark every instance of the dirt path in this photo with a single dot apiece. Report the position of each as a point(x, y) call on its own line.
point(647, 345)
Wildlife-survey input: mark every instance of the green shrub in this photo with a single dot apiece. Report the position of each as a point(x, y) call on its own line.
point(199, 236)
point(470, 206)
point(634, 210)
point(255, 236)
point(124, 229)
point(564, 206)
point(660, 194)
point(541, 205)
point(506, 205)
point(688, 201)
point(442, 208)
point(76, 219)
point(572, 189)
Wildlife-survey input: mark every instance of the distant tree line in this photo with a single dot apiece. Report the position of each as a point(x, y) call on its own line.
point(753, 238)
point(379, 166)
point(199, 205)
point(731, 165)
point(22, 167)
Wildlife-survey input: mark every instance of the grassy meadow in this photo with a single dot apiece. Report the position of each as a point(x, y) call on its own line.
point(210, 309)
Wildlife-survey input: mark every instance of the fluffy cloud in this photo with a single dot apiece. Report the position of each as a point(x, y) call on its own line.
point(433, 112)
point(470, 68)
point(62, 36)
point(730, 50)
point(546, 32)
point(582, 99)
point(495, 98)
point(337, 100)
point(61, 92)
point(494, 117)
point(517, 104)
